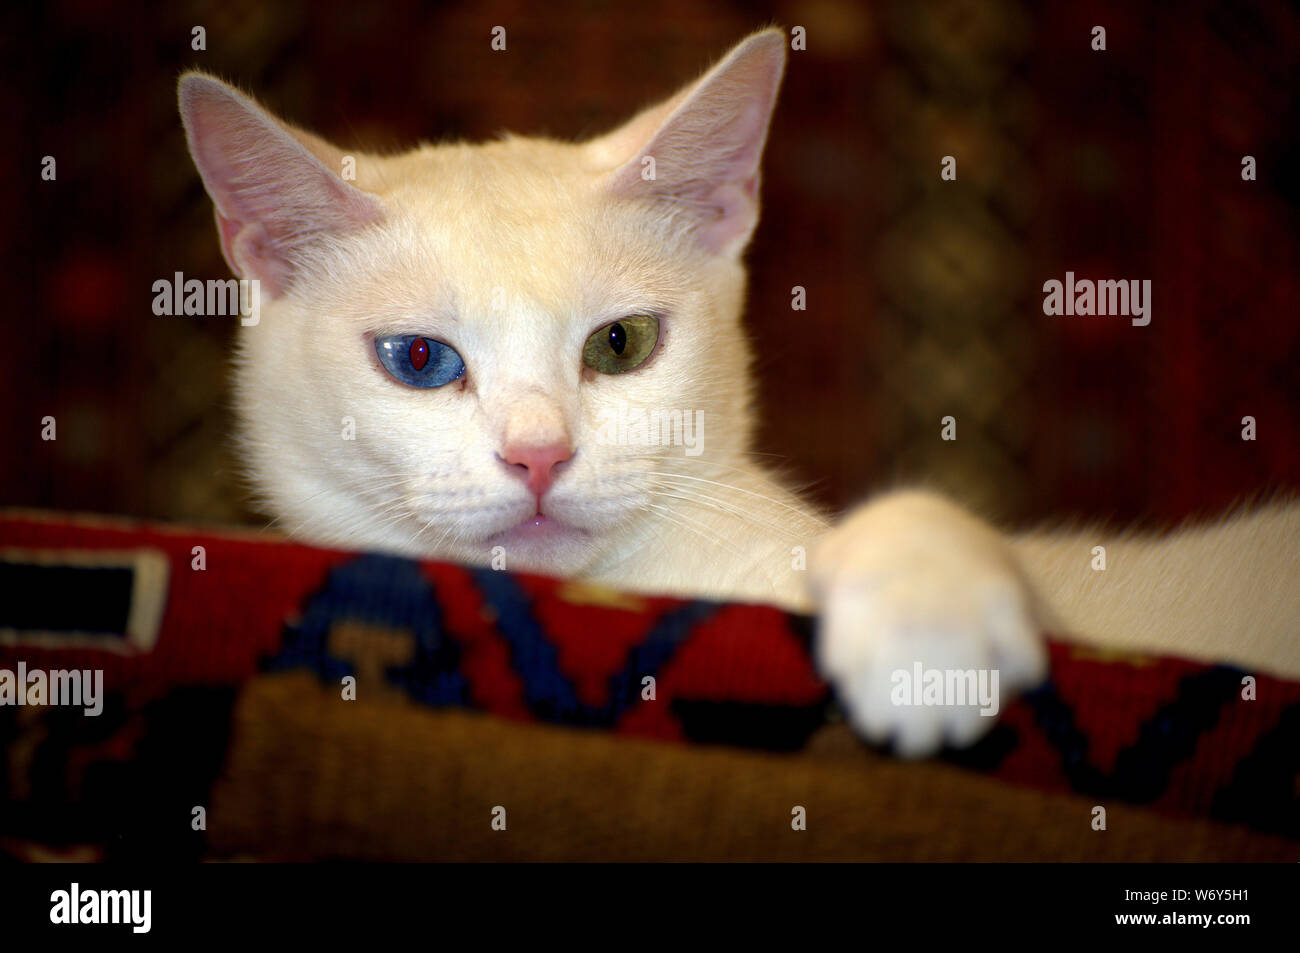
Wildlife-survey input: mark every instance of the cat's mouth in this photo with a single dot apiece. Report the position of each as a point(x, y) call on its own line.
point(537, 530)
point(537, 524)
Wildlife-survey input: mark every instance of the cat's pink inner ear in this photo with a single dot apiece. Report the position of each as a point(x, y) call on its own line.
point(706, 144)
point(274, 196)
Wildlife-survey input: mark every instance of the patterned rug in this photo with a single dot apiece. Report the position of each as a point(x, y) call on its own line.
point(265, 699)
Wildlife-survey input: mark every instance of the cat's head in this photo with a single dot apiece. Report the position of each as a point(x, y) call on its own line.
point(457, 339)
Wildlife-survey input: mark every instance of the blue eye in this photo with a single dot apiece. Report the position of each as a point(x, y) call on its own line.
point(419, 361)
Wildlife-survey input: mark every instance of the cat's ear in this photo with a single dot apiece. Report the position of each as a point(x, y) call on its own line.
point(699, 152)
point(273, 187)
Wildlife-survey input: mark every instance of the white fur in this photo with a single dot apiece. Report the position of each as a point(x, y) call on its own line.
point(572, 237)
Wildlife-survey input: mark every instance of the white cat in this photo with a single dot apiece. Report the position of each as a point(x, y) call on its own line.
point(450, 330)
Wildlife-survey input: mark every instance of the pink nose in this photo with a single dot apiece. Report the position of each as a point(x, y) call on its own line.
point(538, 463)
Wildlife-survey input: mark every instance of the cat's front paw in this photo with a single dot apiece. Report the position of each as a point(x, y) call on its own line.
point(925, 626)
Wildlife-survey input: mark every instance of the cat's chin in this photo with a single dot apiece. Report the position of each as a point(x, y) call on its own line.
point(543, 544)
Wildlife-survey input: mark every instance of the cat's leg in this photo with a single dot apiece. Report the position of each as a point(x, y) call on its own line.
point(911, 578)
point(912, 584)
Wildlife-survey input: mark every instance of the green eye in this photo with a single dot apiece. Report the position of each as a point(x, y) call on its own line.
point(623, 345)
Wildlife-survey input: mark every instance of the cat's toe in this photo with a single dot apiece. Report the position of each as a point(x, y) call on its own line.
point(927, 663)
point(884, 698)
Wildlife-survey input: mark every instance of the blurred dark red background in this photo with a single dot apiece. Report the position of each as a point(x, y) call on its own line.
point(924, 297)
